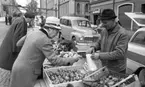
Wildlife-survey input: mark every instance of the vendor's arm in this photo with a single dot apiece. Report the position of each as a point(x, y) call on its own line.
point(119, 51)
point(46, 47)
point(94, 48)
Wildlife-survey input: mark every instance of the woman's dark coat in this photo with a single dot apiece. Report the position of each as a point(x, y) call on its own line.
point(8, 49)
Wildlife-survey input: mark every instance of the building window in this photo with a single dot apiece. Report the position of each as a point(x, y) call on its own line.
point(78, 8)
point(143, 8)
point(86, 8)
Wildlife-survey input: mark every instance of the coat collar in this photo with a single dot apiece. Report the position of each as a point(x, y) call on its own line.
point(114, 29)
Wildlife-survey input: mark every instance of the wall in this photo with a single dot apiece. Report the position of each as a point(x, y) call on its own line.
point(82, 8)
point(9, 4)
point(64, 9)
point(109, 4)
point(50, 5)
point(71, 7)
point(1, 10)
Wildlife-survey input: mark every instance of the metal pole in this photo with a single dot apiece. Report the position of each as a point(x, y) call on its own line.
point(113, 4)
point(58, 8)
point(46, 8)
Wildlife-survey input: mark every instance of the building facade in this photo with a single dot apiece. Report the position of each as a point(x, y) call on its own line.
point(61, 8)
point(120, 7)
point(3, 8)
point(7, 7)
point(74, 7)
point(50, 5)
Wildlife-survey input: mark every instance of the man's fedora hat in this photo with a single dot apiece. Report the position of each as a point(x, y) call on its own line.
point(29, 15)
point(107, 14)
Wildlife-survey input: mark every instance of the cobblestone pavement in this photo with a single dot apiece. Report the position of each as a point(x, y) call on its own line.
point(4, 78)
point(4, 74)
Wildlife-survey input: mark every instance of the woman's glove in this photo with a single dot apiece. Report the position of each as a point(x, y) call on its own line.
point(90, 50)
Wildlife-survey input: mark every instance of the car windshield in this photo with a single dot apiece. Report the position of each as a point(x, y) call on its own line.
point(138, 18)
point(83, 23)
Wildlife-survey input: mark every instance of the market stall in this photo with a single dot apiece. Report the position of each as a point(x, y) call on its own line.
point(84, 74)
point(79, 76)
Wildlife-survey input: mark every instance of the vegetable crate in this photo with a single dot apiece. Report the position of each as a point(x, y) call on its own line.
point(108, 78)
point(62, 76)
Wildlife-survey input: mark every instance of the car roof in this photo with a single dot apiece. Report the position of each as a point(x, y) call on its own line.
point(137, 17)
point(73, 18)
point(141, 29)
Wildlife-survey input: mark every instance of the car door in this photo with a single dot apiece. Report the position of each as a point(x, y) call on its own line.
point(136, 51)
point(66, 28)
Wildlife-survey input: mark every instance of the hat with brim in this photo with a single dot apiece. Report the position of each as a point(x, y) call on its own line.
point(52, 22)
point(107, 14)
point(48, 26)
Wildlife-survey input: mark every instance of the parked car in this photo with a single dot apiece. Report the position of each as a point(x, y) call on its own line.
point(78, 29)
point(136, 46)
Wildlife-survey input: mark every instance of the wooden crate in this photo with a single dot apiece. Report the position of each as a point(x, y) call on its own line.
point(74, 83)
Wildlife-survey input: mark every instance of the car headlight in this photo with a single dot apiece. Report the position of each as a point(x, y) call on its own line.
point(81, 38)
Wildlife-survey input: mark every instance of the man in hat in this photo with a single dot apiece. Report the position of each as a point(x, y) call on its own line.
point(37, 46)
point(8, 48)
point(113, 43)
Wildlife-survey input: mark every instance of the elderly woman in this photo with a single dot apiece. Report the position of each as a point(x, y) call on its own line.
point(37, 46)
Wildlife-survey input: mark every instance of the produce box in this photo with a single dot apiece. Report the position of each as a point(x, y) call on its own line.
point(62, 76)
point(108, 78)
point(103, 77)
point(131, 81)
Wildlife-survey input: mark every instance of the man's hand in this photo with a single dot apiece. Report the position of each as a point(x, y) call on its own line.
point(95, 56)
point(90, 50)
